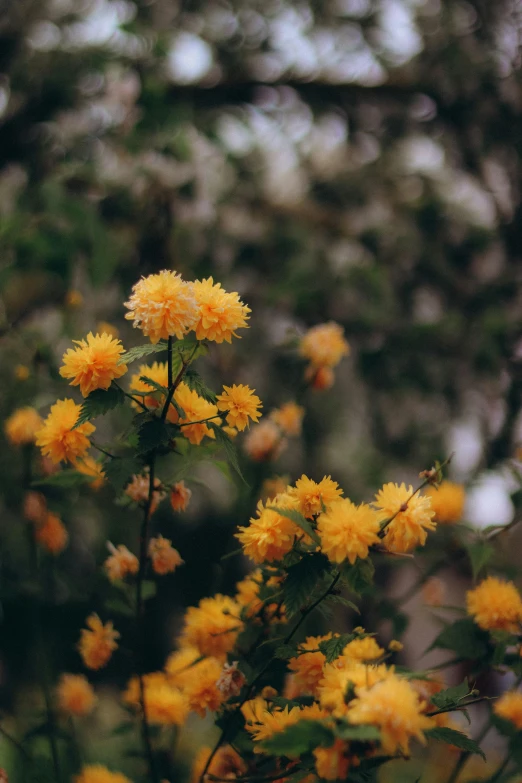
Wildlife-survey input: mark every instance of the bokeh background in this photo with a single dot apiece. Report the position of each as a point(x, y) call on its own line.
point(349, 160)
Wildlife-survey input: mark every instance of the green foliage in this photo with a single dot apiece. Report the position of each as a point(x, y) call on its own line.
point(480, 553)
point(301, 581)
point(99, 402)
point(119, 470)
point(333, 648)
point(450, 697)
point(358, 576)
point(140, 351)
point(195, 382)
point(455, 738)
point(153, 433)
point(299, 739)
point(154, 384)
point(464, 638)
point(229, 448)
point(63, 479)
point(299, 520)
point(346, 731)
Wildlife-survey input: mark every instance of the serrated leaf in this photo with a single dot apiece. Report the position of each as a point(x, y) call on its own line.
point(285, 651)
point(464, 638)
point(120, 469)
point(154, 385)
point(301, 738)
point(299, 520)
point(479, 553)
point(139, 351)
point(228, 447)
point(99, 402)
point(63, 479)
point(154, 433)
point(455, 738)
point(333, 648)
point(450, 697)
point(195, 382)
point(301, 580)
point(359, 575)
point(357, 733)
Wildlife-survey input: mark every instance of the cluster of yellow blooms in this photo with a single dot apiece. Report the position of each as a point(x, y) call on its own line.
point(323, 346)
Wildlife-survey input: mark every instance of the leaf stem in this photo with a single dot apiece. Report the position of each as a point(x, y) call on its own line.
point(179, 377)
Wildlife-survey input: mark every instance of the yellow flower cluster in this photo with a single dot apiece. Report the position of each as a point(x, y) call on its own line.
point(94, 364)
point(97, 642)
point(165, 559)
point(121, 562)
point(447, 502)
point(268, 440)
point(213, 626)
point(241, 405)
point(180, 496)
point(75, 695)
point(226, 763)
point(509, 707)
point(324, 346)
point(22, 425)
point(58, 440)
point(96, 773)
point(495, 605)
point(411, 517)
point(165, 704)
point(164, 305)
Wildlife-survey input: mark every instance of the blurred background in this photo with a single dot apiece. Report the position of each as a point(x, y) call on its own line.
point(349, 160)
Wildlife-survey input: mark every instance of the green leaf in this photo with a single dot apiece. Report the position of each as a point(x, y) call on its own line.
point(480, 553)
point(455, 738)
point(122, 729)
point(299, 520)
point(153, 433)
point(195, 382)
point(99, 402)
point(333, 648)
point(148, 589)
point(464, 638)
point(139, 351)
point(301, 580)
point(228, 447)
point(301, 738)
point(118, 606)
point(285, 651)
point(357, 733)
point(450, 697)
point(120, 469)
point(359, 575)
point(154, 385)
point(63, 479)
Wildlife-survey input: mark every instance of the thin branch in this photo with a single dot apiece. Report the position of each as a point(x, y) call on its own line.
point(259, 779)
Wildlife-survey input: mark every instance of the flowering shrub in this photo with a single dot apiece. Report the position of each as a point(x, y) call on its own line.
point(287, 705)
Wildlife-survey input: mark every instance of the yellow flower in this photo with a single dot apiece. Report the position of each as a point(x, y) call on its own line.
point(22, 426)
point(178, 663)
point(324, 345)
point(120, 563)
point(447, 501)
point(230, 431)
point(97, 642)
point(163, 305)
point(393, 706)
point(75, 695)
point(180, 496)
point(270, 535)
point(57, 439)
point(320, 378)
point(138, 490)
point(241, 403)
point(342, 674)
point(289, 418)
point(94, 364)
point(200, 686)
point(22, 372)
point(509, 707)
point(51, 534)
point(35, 507)
point(107, 328)
point(165, 559)
point(248, 592)
point(312, 496)
point(264, 442)
point(95, 773)
point(196, 409)
point(73, 298)
point(334, 762)
point(213, 625)
point(132, 695)
point(347, 531)
point(365, 649)
point(90, 467)
point(147, 394)
point(220, 313)
point(268, 722)
point(412, 517)
point(226, 763)
point(308, 666)
point(495, 605)
point(165, 705)
point(274, 486)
